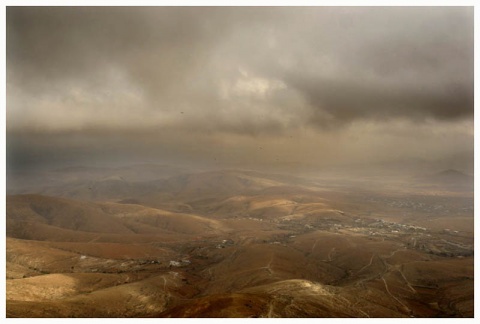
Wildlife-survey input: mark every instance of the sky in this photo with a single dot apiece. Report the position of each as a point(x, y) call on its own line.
point(239, 86)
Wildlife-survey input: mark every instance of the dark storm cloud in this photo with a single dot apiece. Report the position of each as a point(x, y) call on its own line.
point(157, 47)
point(384, 63)
point(186, 81)
point(343, 101)
point(339, 63)
point(54, 44)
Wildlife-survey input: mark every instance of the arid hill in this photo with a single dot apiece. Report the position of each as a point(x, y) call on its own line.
point(241, 244)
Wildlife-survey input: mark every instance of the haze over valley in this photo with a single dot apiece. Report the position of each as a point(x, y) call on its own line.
point(239, 162)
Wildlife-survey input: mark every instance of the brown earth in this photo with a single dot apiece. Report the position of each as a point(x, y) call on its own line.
point(241, 244)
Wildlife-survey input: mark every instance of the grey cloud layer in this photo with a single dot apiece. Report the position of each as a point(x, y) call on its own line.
point(243, 69)
point(256, 85)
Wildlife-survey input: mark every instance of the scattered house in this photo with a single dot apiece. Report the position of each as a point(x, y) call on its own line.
point(175, 264)
point(180, 263)
point(224, 244)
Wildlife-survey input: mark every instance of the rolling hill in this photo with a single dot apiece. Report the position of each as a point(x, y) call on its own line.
point(239, 244)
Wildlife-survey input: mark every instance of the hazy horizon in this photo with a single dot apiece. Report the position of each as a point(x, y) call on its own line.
point(280, 87)
point(239, 162)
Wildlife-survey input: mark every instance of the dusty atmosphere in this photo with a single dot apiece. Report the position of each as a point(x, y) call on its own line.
point(239, 161)
point(239, 86)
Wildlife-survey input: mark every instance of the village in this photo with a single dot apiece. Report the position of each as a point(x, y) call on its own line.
point(445, 243)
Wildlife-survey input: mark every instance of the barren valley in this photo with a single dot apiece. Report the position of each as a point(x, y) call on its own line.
point(275, 161)
point(235, 243)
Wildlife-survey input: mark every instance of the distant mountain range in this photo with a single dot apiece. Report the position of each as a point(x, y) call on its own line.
point(450, 179)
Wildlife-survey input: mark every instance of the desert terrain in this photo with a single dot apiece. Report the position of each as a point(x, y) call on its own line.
point(265, 161)
point(157, 241)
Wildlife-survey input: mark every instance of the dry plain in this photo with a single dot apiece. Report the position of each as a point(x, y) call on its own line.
point(238, 243)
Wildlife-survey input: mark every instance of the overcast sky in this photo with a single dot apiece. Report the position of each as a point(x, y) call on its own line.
point(238, 86)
